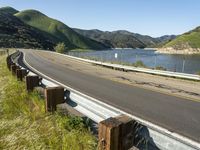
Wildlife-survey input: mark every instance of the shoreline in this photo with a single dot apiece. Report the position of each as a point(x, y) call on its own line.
point(170, 50)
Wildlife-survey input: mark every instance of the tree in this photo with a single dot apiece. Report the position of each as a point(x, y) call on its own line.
point(60, 48)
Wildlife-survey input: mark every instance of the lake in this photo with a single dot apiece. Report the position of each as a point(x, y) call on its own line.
point(171, 62)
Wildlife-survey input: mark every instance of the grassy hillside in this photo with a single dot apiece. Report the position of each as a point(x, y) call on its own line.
point(187, 40)
point(15, 33)
point(57, 29)
point(9, 10)
point(25, 125)
point(112, 39)
point(123, 38)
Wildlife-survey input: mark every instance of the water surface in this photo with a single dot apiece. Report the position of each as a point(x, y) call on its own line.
point(172, 62)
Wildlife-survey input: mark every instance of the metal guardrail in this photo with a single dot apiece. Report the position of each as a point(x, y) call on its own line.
point(137, 69)
point(98, 111)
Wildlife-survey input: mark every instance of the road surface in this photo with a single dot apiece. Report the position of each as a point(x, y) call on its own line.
point(177, 114)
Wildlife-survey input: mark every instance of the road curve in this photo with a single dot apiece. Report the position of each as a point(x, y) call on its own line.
point(176, 114)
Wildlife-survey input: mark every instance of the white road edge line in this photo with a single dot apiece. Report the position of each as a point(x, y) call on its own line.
point(150, 125)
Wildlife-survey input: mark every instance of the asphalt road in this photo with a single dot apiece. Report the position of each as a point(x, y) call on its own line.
point(174, 113)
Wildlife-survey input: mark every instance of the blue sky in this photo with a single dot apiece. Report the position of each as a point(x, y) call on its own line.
point(150, 17)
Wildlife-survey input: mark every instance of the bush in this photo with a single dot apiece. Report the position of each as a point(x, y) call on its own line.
point(139, 64)
point(60, 48)
point(160, 68)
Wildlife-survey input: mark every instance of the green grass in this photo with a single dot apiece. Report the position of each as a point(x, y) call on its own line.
point(160, 68)
point(25, 125)
point(187, 40)
point(58, 29)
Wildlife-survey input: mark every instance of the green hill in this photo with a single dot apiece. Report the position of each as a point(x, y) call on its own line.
point(15, 33)
point(58, 29)
point(123, 38)
point(9, 10)
point(189, 40)
point(114, 39)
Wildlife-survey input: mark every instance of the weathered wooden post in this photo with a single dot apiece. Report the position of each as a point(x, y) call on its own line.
point(127, 129)
point(109, 131)
point(116, 133)
point(14, 67)
point(53, 97)
point(21, 73)
point(9, 62)
point(31, 82)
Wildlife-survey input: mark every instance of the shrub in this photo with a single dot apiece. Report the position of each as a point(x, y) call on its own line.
point(160, 68)
point(60, 48)
point(139, 64)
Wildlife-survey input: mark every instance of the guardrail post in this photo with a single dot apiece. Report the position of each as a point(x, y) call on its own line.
point(127, 129)
point(9, 62)
point(116, 133)
point(14, 67)
point(21, 73)
point(109, 131)
point(31, 82)
point(53, 97)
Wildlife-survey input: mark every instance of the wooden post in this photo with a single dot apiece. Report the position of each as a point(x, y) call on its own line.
point(9, 62)
point(126, 132)
point(21, 73)
point(14, 67)
point(116, 133)
point(31, 82)
point(53, 97)
point(109, 131)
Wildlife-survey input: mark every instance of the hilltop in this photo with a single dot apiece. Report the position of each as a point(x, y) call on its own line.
point(9, 10)
point(58, 30)
point(187, 43)
point(15, 33)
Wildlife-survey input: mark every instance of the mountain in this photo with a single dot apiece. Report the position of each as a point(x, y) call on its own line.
point(112, 39)
point(52, 31)
point(58, 30)
point(166, 38)
point(9, 10)
point(15, 33)
point(123, 38)
point(188, 40)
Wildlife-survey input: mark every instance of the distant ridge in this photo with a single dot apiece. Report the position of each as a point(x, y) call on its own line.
point(123, 38)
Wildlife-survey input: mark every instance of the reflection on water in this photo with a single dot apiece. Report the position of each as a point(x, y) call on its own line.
point(178, 63)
